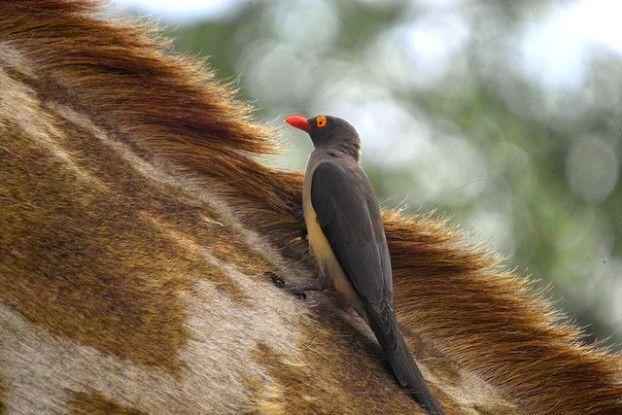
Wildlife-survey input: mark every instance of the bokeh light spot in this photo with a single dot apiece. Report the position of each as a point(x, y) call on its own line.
point(592, 169)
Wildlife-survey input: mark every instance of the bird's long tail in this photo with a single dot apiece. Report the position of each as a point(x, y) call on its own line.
point(386, 328)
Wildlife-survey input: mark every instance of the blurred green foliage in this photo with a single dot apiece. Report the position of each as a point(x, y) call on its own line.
point(450, 121)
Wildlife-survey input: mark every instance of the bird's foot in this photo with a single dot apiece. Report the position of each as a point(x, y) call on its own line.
point(276, 280)
point(299, 292)
point(297, 289)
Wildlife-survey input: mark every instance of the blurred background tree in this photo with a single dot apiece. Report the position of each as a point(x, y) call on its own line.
point(504, 116)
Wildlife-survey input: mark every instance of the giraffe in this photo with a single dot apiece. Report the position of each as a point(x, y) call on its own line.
point(141, 237)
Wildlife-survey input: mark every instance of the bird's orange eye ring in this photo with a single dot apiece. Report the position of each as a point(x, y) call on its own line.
point(321, 121)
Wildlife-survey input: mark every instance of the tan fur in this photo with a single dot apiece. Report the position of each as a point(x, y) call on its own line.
point(139, 237)
point(2, 397)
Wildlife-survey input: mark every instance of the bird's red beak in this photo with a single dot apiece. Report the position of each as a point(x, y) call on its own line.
point(298, 121)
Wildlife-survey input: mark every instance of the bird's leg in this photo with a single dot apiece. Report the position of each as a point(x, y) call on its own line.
point(300, 289)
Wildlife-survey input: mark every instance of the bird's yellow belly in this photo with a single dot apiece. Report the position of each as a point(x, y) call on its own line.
point(328, 263)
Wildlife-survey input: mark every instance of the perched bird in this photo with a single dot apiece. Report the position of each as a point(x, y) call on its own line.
point(346, 236)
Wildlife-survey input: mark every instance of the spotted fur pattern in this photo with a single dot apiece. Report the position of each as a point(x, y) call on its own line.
point(139, 239)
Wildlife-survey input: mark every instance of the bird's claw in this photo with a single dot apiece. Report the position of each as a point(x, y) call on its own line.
point(299, 290)
point(276, 280)
point(280, 283)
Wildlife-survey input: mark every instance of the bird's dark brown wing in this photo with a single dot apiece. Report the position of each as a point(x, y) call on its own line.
point(349, 216)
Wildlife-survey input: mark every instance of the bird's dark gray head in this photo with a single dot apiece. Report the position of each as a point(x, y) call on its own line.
point(329, 132)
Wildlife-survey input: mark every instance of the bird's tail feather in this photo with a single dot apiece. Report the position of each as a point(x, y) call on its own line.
point(386, 328)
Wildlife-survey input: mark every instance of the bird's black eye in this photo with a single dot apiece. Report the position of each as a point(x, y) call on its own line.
point(321, 121)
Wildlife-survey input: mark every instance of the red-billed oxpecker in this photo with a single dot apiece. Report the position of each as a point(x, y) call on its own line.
point(346, 236)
